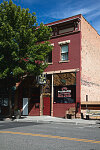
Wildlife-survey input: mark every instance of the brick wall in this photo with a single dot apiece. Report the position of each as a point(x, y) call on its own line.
point(90, 62)
point(74, 53)
point(73, 63)
point(60, 109)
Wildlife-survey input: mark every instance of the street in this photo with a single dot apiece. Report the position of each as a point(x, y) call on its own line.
point(48, 136)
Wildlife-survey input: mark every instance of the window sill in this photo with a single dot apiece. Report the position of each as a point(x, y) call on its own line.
point(50, 63)
point(66, 61)
point(63, 103)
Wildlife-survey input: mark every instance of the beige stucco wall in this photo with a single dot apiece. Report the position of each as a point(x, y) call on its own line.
point(90, 62)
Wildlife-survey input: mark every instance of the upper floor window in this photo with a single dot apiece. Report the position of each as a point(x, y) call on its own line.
point(64, 52)
point(65, 30)
point(49, 58)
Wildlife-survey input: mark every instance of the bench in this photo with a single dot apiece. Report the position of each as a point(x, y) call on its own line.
point(70, 113)
point(90, 114)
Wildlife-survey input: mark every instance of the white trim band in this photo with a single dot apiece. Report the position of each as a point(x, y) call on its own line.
point(52, 44)
point(62, 71)
point(64, 42)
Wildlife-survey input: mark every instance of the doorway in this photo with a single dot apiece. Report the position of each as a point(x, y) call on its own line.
point(46, 106)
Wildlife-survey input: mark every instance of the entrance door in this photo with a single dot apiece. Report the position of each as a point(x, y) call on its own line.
point(46, 106)
point(25, 106)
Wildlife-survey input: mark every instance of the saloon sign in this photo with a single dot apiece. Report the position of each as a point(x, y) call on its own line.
point(41, 79)
point(64, 92)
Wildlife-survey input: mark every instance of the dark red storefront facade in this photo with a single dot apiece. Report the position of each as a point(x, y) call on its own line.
point(45, 103)
point(72, 65)
point(63, 88)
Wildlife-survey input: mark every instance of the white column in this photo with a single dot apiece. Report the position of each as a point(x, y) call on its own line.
point(41, 100)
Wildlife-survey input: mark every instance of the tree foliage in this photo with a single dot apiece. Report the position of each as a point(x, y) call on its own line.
point(23, 45)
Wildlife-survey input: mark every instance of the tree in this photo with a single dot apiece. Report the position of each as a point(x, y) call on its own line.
point(23, 45)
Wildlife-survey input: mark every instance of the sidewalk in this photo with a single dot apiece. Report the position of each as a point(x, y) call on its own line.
point(48, 119)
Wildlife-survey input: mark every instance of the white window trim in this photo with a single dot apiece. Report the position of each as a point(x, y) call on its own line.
point(50, 63)
point(64, 61)
point(64, 42)
point(52, 44)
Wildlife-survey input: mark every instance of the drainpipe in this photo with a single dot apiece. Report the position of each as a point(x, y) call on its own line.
point(52, 97)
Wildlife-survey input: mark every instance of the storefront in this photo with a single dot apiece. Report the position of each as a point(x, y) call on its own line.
point(59, 94)
point(53, 98)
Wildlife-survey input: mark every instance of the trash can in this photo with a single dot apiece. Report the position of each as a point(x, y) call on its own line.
point(68, 116)
point(82, 117)
point(87, 117)
point(17, 114)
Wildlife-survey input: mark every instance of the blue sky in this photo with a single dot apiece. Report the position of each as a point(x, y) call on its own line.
point(52, 10)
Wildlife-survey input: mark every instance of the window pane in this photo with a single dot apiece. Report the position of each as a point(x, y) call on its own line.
point(64, 48)
point(49, 58)
point(64, 56)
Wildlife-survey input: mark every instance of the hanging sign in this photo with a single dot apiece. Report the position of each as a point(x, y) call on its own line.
point(42, 79)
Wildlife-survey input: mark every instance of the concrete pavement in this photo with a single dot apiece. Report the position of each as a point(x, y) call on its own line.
point(48, 119)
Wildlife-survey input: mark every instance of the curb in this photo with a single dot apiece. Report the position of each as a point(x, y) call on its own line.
point(56, 121)
point(48, 119)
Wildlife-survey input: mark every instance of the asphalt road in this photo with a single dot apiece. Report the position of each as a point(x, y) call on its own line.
point(48, 136)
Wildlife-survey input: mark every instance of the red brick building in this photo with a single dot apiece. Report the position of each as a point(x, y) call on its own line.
point(73, 78)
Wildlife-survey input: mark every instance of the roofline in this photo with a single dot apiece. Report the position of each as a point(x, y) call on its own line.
point(90, 25)
point(64, 20)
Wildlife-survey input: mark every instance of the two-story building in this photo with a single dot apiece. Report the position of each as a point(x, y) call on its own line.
point(72, 75)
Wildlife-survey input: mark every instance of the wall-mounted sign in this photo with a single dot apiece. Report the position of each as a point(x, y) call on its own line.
point(64, 92)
